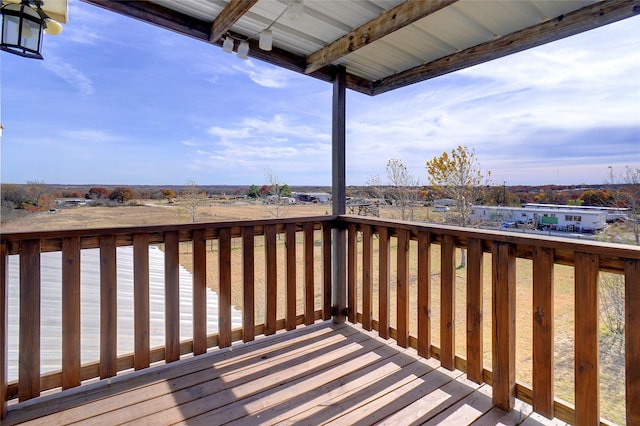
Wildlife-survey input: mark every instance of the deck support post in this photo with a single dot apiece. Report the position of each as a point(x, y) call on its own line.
point(338, 189)
point(4, 329)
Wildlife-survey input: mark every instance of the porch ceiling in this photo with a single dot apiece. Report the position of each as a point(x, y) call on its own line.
point(383, 44)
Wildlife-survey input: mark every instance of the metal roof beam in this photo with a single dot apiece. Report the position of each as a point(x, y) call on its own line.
point(229, 16)
point(388, 22)
point(581, 20)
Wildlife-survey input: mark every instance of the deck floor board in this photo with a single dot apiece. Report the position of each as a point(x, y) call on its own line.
point(321, 374)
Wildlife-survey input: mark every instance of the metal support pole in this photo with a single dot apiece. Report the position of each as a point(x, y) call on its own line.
point(339, 281)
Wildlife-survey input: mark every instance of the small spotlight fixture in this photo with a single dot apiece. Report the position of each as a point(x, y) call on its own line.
point(227, 46)
point(266, 40)
point(22, 27)
point(243, 49)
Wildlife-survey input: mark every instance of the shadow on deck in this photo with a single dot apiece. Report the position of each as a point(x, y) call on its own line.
point(320, 374)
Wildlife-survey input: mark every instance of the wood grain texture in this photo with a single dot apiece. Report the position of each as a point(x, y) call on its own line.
point(632, 340)
point(4, 328)
point(199, 292)
point(586, 337)
point(543, 344)
point(352, 272)
point(248, 284)
point(326, 271)
point(108, 307)
point(29, 333)
point(503, 325)
point(367, 277)
point(290, 275)
point(384, 265)
point(402, 288)
point(447, 302)
point(224, 298)
point(271, 287)
point(475, 338)
point(233, 11)
point(309, 274)
point(70, 312)
point(424, 294)
point(172, 296)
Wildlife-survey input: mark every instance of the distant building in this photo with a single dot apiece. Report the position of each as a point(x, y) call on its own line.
point(70, 202)
point(612, 213)
point(556, 219)
point(314, 197)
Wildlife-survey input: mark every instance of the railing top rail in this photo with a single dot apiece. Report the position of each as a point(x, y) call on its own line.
point(51, 238)
point(462, 234)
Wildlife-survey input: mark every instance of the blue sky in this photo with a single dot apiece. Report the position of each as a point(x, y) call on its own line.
point(117, 101)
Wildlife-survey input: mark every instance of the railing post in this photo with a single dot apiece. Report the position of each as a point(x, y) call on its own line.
point(352, 272)
point(474, 310)
point(108, 307)
point(141, 319)
point(290, 275)
point(504, 325)
point(271, 283)
point(248, 284)
point(448, 303)
point(543, 313)
point(424, 294)
point(199, 292)
point(402, 288)
point(586, 337)
point(384, 266)
point(367, 277)
point(326, 271)
point(4, 328)
point(309, 281)
point(172, 296)
point(632, 339)
point(224, 297)
point(70, 312)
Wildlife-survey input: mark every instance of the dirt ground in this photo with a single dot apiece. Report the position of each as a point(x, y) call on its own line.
point(612, 387)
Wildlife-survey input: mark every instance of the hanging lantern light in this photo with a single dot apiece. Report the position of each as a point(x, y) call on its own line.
point(22, 28)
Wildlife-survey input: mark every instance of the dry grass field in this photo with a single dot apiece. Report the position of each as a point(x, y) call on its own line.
point(612, 355)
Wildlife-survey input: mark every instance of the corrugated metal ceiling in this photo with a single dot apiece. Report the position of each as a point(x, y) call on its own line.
point(418, 48)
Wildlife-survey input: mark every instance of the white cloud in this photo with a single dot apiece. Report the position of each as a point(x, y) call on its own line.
point(70, 74)
point(264, 75)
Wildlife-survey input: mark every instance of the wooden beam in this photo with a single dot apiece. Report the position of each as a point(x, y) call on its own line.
point(587, 18)
point(181, 23)
point(392, 20)
point(233, 11)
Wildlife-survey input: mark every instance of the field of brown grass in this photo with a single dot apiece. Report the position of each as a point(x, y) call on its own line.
point(612, 355)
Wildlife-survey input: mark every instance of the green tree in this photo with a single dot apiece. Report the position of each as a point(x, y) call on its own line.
point(253, 192)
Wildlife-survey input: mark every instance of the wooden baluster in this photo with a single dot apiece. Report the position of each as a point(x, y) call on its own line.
point(224, 298)
point(4, 328)
point(70, 312)
point(199, 292)
point(383, 283)
point(367, 277)
point(586, 322)
point(309, 283)
point(326, 271)
point(632, 339)
point(290, 275)
point(402, 287)
point(543, 349)
point(447, 302)
point(172, 296)
point(108, 307)
point(474, 310)
point(352, 271)
point(141, 337)
point(248, 280)
point(271, 287)
point(424, 294)
point(503, 325)
point(29, 335)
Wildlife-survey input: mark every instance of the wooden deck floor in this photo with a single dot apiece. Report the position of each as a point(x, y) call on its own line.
point(322, 374)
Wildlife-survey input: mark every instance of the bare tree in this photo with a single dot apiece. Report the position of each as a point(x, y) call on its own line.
point(36, 189)
point(612, 302)
point(626, 193)
point(192, 198)
point(403, 185)
point(276, 197)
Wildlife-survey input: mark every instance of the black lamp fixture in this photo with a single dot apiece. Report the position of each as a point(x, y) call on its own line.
point(22, 27)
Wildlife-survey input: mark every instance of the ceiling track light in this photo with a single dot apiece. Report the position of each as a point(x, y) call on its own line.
point(243, 49)
point(23, 24)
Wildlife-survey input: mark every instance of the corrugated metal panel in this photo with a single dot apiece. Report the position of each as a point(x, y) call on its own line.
point(464, 24)
point(51, 303)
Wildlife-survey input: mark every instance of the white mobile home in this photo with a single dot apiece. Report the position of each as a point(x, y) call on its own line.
point(569, 220)
point(612, 213)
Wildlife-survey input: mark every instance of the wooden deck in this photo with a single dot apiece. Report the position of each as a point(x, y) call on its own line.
point(320, 374)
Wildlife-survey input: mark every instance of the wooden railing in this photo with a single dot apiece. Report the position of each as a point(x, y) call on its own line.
point(29, 246)
point(588, 259)
point(365, 237)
